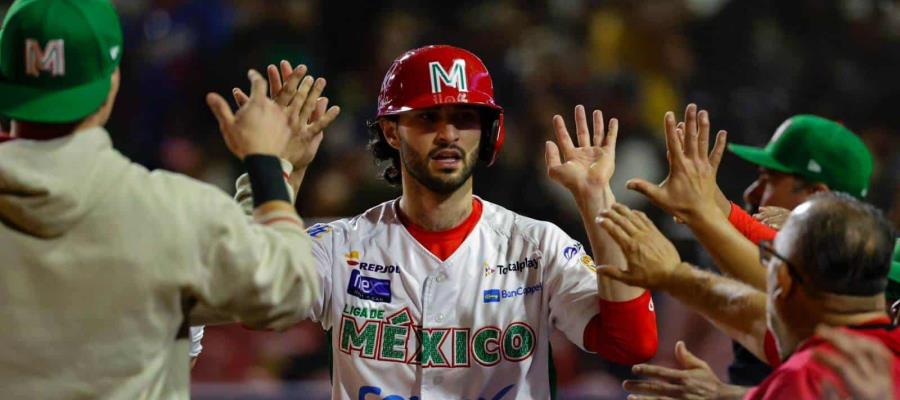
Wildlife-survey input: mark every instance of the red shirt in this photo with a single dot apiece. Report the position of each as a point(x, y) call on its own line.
point(800, 376)
point(623, 332)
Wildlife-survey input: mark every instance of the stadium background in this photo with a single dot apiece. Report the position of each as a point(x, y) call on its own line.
point(751, 63)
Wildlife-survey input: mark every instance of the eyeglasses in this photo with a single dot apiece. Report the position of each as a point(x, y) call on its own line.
point(895, 313)
point(767, 253)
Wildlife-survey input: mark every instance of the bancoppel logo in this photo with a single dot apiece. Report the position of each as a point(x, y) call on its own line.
point(492, 295)
point(571, 251)
point(51, 58)
point(496, 295)
point(368, 288)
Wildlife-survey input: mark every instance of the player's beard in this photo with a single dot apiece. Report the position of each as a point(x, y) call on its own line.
point(442, 183)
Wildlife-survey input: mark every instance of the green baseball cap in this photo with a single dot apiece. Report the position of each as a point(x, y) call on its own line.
point(819, 150)
point(893, 286)
point(56, 58)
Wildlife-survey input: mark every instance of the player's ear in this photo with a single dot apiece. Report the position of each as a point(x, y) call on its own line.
point(389, 130)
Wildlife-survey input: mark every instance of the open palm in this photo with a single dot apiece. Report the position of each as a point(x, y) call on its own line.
point(299, 96)
point(587, 166)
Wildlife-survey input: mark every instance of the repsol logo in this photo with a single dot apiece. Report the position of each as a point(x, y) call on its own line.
point(385, 269)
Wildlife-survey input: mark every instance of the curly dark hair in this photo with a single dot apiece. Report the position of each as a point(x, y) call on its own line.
point(383, 152)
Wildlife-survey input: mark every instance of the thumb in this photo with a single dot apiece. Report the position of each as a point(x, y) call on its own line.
point(220, 109)
point(645, 188)
point(686, 359)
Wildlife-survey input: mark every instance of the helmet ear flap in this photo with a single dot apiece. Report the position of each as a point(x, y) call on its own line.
point(492, 138)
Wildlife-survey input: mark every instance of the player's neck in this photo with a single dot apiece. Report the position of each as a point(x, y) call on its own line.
point(433, 211)
point(38, 131)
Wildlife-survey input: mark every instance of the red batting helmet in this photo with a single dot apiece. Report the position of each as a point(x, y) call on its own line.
point(432, 76)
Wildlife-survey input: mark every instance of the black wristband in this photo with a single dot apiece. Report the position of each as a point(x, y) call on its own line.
point(265, 179)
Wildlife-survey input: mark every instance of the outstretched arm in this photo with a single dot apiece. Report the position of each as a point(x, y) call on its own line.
point(653, 262)
point(690, 193)
point(624, 330)
point(585, 170)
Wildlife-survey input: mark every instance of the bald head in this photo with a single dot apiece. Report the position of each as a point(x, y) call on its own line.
point(840, 244)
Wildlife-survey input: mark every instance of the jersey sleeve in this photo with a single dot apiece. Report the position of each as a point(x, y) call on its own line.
point(322, 246)
point(749, 227)
point(196, 340)
point(571, 280)
point(258, 271)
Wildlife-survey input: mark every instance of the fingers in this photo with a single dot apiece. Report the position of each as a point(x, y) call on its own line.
point(274, 80)
point(623, 217)
point(655, 371)
point(653, 388)
point(551, 155)
point(321, 106)
point(220, 109)
point(299, 99)
point(285, 97)
point(612, 135)
point(581, 127)
point(309, 105)
point(687, 359)
point(224, 116)
point(673, 142)
point(690, 132)
point(562, 136)
point(615, 231)
point(286, 69)
point(715, 156)
point(257, 85)
point(639, 397)
point(703, 135)
point(597, 117)
point(326, 119)
point(240, 98)
point(645, 188)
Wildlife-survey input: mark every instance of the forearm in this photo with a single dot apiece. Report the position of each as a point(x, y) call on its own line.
point(605, 250)
point(737, 309)
point(734, 254)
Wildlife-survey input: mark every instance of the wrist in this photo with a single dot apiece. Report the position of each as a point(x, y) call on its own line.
point(266, 179)
point(592, 200)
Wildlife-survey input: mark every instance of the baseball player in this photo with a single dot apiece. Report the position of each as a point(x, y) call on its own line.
point(102, 259)
point(440, 294)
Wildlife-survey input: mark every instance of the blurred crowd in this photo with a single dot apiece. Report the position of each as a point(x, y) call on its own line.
point(750, 63)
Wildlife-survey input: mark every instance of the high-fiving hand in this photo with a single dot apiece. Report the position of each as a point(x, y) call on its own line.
point(259, 127)
point(652, 258)
point(586, 167)
point(690, 189)
point(692, 380)
point(298, 95)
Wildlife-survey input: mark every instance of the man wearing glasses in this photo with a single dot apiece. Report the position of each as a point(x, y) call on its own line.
point(828, 266)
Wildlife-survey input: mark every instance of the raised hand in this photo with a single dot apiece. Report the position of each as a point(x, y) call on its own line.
point(299, 96)
point(259, 127)
point(693, 379)
point(586, 167)
point(690, 189)
point(651, 257)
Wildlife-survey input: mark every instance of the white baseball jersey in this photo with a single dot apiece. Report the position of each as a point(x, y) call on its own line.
point(406, 325)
